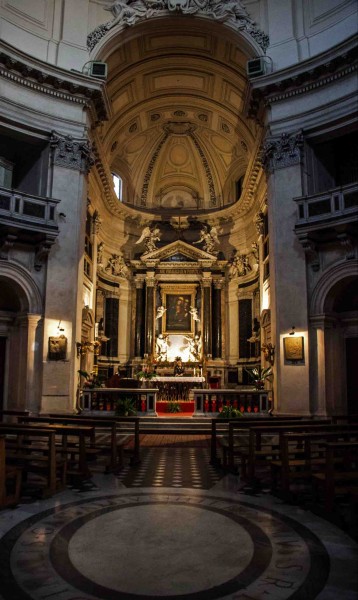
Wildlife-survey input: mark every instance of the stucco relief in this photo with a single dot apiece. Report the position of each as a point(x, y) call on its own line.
point(128, 12)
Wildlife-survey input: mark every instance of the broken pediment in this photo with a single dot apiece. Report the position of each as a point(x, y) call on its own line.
point(178, 251)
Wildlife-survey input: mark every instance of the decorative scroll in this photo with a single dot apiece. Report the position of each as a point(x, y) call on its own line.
point(128, 12)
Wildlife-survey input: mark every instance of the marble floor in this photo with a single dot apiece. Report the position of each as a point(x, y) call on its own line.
point(172, 529)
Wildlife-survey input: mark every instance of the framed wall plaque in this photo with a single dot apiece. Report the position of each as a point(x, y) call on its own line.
point(293, 348)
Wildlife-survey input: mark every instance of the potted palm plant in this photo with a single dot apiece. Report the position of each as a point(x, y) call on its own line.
point(258, 376)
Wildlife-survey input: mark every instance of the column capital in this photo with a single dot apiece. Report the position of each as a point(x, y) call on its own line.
point(281, 152)
point(139, 282)
point(71, 153)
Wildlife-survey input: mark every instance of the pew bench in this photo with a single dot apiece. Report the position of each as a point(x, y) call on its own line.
point(340, 474)
point(238, 440)
point(105, 439)
point(303, 454)
point(10, 480)
point(220, 434)
point(265, 457)
point(33, 449)
point(126, 426)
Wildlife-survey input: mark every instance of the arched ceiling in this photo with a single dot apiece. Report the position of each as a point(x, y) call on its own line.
point(177, 135)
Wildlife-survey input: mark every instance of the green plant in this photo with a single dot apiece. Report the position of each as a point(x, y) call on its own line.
point(173, 407)
point(146, 374)
point(126, 407)
point(258, 375)
point(229, 412)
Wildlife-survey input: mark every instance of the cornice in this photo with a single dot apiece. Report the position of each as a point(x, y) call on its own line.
point(54, 81)
point(302, 78)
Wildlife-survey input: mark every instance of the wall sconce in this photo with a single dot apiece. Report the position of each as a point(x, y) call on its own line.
point(292, 332)
point(269, 353)
point(59, 328)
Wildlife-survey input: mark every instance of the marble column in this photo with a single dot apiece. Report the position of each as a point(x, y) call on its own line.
point(33, 371)
point(288, 280)
point(232, 325)
point(71, 160)
point(139, 319)
point(207, 321)
point(217, 320)
point(149, 313)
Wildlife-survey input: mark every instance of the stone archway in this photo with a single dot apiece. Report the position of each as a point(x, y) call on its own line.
point(20, 338)
point(334, 335)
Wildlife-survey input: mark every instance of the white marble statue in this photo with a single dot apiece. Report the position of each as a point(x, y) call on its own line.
point(209, 239)
point(239, 266)
point(160, 312)
point(100, 254)
point(195, 347)
point(194, 313)
point(126, 12)
point(149, 237)
point(116, 266)
point(161, 347)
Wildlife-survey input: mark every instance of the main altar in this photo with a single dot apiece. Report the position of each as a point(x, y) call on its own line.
point(175, 389)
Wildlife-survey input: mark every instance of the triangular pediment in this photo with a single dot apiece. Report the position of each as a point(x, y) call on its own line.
point(178, 251)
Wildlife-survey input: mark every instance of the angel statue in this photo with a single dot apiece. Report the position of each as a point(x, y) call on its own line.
point(161, 347)
point(160, 312)
point(209, 239)
point(194, 313)
point(149, 237)
point(195, 347)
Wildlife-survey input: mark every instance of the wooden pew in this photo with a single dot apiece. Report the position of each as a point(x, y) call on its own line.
point(125, 426)
point(340, 476)
point(259, 453)
point(301, 454)
point(23, 452)
point(12, 415)
point(235, 443)
point(221, 426)
point(104, 439)
point(10, 476)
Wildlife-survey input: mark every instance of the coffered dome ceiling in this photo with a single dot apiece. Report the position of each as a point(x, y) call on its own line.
point(177, 135)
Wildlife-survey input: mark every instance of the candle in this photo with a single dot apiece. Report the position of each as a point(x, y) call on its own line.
point(201, 372)
point(194, 372)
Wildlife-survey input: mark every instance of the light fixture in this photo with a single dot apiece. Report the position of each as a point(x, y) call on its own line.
point(59, 328)
point(292, 332)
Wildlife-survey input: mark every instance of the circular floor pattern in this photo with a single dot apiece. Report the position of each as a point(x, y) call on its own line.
point(161, 545)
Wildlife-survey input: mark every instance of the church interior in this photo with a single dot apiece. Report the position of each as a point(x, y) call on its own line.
point(178, 299)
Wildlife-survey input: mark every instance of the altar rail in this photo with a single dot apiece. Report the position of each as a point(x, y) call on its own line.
point(105, 399)
point(207, 402)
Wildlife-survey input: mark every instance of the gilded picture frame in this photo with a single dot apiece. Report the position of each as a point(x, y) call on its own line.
point(177, 318)
point(293, 348)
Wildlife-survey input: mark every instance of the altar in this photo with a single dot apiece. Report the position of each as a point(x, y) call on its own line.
point(175, 389)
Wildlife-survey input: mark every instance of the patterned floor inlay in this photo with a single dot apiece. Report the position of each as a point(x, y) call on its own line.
point(184, 545)
point(172, 467)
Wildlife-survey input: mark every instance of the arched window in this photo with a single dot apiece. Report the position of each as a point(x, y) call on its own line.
point(117, 183)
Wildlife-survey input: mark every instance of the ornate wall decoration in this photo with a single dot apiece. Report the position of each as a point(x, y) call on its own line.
point(127, 14)
point(143, 198)
point(71, 153)
point(239, 265)
point(116, 265)
point(282, 152)
point(209, 177)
